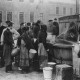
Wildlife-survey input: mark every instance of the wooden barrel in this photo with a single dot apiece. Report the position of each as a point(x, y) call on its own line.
point(63, 53)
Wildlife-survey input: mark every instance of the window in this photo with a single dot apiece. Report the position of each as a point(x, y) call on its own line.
point(9, 0)
point(71, 11)
point(31, 1)
point(21, 17)
point(41, 16)
point(41, 1)
point(9, 16)
point(0, 16)
point(31, 16)
point(57, 10)
point(64, 10)
point(21, 0)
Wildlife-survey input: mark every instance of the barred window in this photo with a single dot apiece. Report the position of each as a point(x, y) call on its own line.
point(9, 0)
point(41, 16)
point(9, 16)
point(31, 16)
point(64, 10)
point(57, 10)
point(71, 11)
point(0, 16)
point(41, 1)
point(21, 0)
point(31, 1)
point(21, 17)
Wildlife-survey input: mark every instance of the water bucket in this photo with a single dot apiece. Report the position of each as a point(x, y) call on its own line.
point(51, 64)
point(47, 72)
point(32, 52)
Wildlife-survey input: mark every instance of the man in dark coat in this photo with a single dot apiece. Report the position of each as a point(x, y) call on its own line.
point(7, 40)
point(37, 28)
point(57, 27)
point(7, 37)
point(1, 46)
point(51, 27)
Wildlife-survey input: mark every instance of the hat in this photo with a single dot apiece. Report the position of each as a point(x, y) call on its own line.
point(10, 23)
point(28, 23)
point(21, 24)
point(7, 22)
point(50, 20)
point(55, 19)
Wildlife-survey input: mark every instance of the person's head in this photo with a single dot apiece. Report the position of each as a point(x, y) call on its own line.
point(25, 29)
point(38, 22)
point(43, 28)
point(50, 22)
point(28, 24)
point(7, 23)
point(21, 25)
point(72, 25)
point(10, 24)
point(55, 20)
point(33, 25)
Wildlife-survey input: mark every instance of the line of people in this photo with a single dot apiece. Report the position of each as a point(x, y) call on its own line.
point(28, 37)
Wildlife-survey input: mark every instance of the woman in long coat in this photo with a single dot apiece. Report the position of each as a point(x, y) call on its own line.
point(24, 52)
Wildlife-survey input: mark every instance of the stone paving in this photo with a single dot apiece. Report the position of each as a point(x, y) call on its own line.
point(16, 75)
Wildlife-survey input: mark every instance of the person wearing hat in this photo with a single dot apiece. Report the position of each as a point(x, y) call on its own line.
point(57, 27)
point(50, 27)
point(50, 39)
point(8, 36)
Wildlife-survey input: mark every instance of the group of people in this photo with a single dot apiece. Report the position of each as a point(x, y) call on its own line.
point(29, 36)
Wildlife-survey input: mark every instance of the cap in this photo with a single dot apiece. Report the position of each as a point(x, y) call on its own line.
point(50, 20)
point(55, 19)
point(7, 22)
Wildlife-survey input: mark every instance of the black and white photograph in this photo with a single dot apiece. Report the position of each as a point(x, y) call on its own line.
point(39, 39)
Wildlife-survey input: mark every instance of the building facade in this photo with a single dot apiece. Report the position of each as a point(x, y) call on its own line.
point(20, 11)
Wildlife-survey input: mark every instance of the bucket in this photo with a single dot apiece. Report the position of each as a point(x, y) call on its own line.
point(51, 64)
point(32, 53)
point(47, 72)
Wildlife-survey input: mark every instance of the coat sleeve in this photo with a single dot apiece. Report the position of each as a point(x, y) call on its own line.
point(15, 34)
point(2, 36)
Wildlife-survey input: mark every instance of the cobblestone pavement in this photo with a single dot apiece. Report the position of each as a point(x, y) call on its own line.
point(16, 75)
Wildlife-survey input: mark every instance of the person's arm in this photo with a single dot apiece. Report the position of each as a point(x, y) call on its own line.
point(2, 36)
point(15, 34)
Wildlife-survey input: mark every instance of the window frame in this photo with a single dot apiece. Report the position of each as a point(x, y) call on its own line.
point(32, 16)
point(64, 10)
point(21, 0)
point(31, 1)
point(1, 16)
point(9, 15)
point(20, 15)
point(57, 10)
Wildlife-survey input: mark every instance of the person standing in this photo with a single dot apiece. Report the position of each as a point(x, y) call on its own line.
point(50, 34)
point(42, 53)
point(57, 27)
point(25, 46)
point(7, 40)
point(37, 28)
point(17, 58)
point(20, 29)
